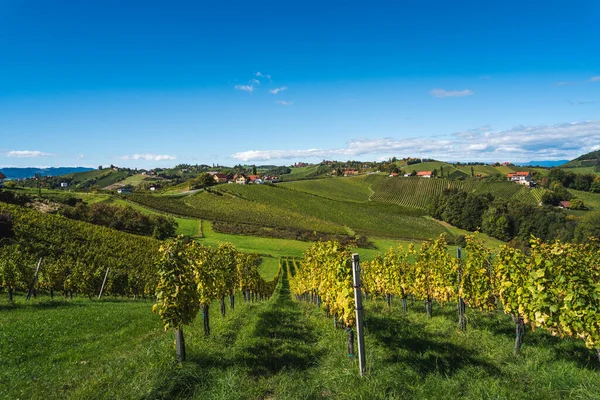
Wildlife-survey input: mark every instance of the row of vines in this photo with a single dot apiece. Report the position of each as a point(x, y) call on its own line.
point(75, 256)
point(192, 276)
point(556, 286)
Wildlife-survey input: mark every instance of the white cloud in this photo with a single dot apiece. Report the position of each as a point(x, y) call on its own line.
point(595, 78)
point(451, 93)
point(28, 154)
point(255, 81)
point(80, 157)
point(261, 75)
point(565, 83)
point(520, 144)
point(245, 88)
point(284, 103)
point(277, 90)
point(149, 157)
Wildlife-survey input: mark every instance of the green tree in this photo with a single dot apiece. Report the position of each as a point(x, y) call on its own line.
point(201, 181)
point(577, 204)
point(589, 226)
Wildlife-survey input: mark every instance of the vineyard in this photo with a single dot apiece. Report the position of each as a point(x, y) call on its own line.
point(416, 193)
point(75, 255)
point(213, 207)
point(287, 345)
point(555, 288)
point(371, 218)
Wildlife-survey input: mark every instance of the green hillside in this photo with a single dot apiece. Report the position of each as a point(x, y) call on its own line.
point(352, 188)
point(591, 159)
point(371, 219)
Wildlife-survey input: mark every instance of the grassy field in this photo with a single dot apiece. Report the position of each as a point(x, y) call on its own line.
point(280, 349)
point(133, 180)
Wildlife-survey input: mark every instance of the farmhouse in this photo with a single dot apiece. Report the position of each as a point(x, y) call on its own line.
point(64, 184)
point(564, 204)
point(253, 178)
point(219, 178)
point(424, 174)
point(393, 175)
point(240, 179)
point(2, 178)
point(350, 171)
point(522, 178)
point(124, 191)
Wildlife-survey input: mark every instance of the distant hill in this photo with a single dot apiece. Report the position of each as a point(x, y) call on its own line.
point(543, 163)
point(587, 160)
point(30, 172)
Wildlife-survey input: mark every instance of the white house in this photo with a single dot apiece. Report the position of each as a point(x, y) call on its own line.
point(522, 178)
point(64, 184)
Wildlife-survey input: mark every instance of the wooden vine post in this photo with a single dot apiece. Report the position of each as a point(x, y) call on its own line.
point(462, 321)
point(359, 315)
point(103, 283)
point(35, 278)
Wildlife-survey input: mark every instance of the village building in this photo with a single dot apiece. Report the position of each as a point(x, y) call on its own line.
point(350, 171)
point(424, 174)
point(64, 184)
point(219, 178)
point(240, 179)
point(522, 178)
point(564, 204)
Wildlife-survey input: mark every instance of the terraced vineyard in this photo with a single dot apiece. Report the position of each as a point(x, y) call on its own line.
point(236, 210)
point(500, 190)
point(415, 192)
point(418, 192)
point(352, 188)
point(370, 218)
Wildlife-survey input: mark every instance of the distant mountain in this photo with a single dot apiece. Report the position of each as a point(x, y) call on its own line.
point(587, 160)
point(543, 163)
point(29, 172)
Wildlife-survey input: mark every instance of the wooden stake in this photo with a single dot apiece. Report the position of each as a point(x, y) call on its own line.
point(35, 278)
point(360, 335)
point(179, 345)
point(103, 283)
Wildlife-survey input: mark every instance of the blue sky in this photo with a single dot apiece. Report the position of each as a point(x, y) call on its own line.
point(160, 83)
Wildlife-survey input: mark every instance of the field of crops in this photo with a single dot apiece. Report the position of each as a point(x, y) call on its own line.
point(371, 218)
point(352, 188)
point(418, 192)
point(415, 192)
point(213, 207)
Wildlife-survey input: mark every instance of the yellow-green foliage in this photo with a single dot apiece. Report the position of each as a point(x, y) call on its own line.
point(177, 298)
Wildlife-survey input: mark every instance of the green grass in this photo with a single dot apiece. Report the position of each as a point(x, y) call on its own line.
point(133, 180)
point(280, 349)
